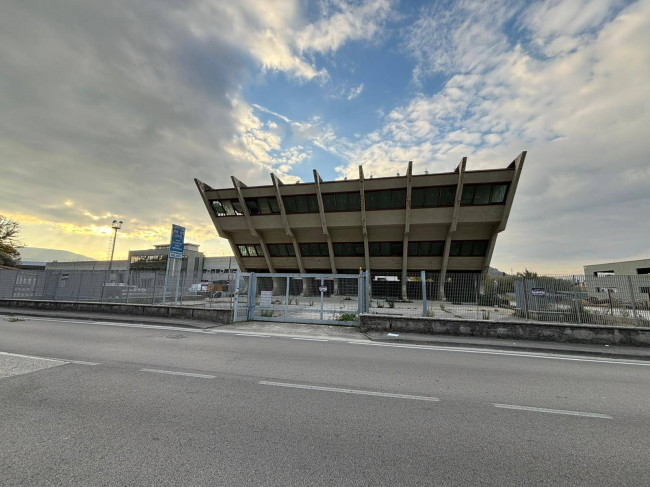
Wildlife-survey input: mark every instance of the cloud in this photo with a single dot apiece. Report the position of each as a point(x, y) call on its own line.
point(115, 107)
point(354, 92)
point(581, 112)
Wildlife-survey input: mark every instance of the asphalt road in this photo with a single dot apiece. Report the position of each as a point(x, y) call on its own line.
point(103, 404)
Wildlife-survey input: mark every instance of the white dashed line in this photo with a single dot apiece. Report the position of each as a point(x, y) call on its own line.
point(173, 372)
point(53, 359)
point(311, 339)
point(348, 391)
point(252, 335)
point(553, 411)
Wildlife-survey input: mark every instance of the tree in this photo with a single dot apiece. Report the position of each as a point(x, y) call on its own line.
point(9, 230)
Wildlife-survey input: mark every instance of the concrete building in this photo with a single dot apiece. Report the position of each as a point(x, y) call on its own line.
point(440, 223)
point(156, 259)
point(622, 280)
point(86, 265)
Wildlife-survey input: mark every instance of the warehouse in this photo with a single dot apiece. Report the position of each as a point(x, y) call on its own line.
point(439, 223)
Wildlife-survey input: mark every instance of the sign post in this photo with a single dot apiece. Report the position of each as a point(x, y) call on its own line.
point(175, 256)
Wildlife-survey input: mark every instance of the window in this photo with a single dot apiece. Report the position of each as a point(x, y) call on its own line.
point(342, 202)
point(386, 200)
point(468, 195)
point(348, 249)
point(281, 250)
point(482, 194)
point(262, 206)
point(499, 191)
point(329, 202)
point(251, 250)
point(447, 194)
point(290, 204)
point(386, 249)
point(253, 206)
point(303, 203)
point(466, 248)
point(643, 270)
point(226, 207)
point(432, 197)
point(314, 249)
point(417, 198)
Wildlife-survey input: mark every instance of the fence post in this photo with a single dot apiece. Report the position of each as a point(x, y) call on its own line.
point(153, 292)
point(235, 300)
point(13, 290)
point(81, 280)
point(423, 278)
point(633, 300)
point(286, 300)
point(128, 286)
point(367, 292)
point(252, 292)
point(523, 279)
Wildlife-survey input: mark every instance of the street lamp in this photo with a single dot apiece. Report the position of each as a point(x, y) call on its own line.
point(116, 225)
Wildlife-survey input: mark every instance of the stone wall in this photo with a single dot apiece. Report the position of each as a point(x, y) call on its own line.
point(550, 332)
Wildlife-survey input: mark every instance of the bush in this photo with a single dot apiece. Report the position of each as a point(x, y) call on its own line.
point(347, 317)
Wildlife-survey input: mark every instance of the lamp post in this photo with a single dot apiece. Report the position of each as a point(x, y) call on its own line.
point(116, 225)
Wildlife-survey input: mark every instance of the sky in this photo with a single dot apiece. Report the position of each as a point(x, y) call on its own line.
point(110, 109)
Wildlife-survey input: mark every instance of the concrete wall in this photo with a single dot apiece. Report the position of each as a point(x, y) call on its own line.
point(217, 316)
point(550, 332)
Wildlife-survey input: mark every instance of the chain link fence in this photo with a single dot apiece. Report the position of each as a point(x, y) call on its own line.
point(599, 300)
point(136, 287)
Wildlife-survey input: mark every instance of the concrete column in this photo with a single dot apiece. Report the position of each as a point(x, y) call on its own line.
point(323, 222)
point(202, 187)
point(364, 227)
point(452, 227)
point(287, 229)
point(407, 225)
point(277, 286)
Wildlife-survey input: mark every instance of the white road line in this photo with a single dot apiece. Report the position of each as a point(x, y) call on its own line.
point(173, 372)
point(552, 411)
point(53, 359)
point(311, 339)
point(348, 391)
point(512, 353)
point(252, 335)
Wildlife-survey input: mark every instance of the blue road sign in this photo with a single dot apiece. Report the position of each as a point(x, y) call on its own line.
point(177, 242)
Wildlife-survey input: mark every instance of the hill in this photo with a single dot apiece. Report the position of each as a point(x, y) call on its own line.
point(48, 255)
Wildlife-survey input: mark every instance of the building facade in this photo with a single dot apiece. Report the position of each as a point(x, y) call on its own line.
point(439, 223)
point(624, 280)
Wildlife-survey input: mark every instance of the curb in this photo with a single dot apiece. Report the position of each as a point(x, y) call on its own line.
point(522, 348)
point(111, 318)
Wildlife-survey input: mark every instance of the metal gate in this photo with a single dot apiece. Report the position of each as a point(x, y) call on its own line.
point(301, 298)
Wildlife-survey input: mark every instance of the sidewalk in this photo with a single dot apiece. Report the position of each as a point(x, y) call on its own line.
point(353, 333)
point(613, 351)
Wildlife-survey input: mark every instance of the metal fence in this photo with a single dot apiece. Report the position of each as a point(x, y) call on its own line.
point(606, 300)
point(136, 287)
point(301, 298)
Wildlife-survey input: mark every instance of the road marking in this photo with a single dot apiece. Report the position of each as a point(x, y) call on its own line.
point(53, 359)
point(553, 411)
point(173, 372)
point(311, 339)
point(252, 335)
point(348, 391)
point(511, 353)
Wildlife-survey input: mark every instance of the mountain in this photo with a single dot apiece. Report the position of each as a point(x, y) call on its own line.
point(493, 271)
point(48, 255)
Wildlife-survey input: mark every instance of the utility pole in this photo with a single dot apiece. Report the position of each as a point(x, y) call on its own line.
point(116, 225)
